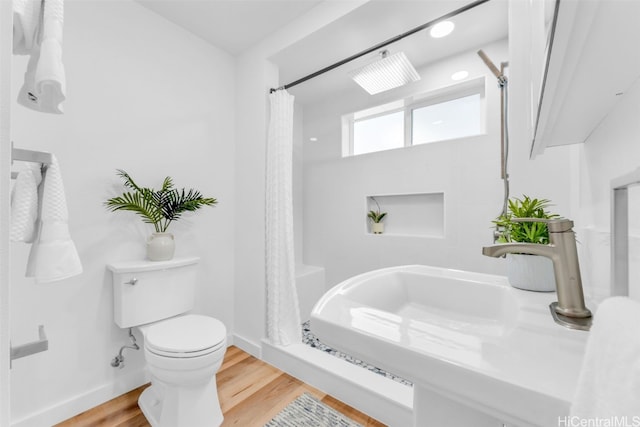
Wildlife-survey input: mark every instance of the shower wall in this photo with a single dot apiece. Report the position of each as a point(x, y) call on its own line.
point(465, 170)
point(146, 96)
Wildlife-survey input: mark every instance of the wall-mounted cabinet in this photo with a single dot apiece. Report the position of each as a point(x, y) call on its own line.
point(592, 61)
point(417, 214)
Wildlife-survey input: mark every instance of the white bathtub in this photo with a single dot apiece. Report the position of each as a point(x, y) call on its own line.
point(382, 398)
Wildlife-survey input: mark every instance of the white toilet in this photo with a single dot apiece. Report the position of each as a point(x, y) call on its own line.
point(183, 351)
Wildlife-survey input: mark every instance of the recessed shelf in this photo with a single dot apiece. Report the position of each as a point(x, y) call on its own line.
point(409, 215)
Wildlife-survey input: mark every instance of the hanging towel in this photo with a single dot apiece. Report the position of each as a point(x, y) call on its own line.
point(53, 255)
point(44, 80)
point(609, 383)
point(24, 203)
point(26, 25)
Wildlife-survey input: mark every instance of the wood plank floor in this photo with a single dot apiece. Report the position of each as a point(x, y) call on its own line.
point(251, 392)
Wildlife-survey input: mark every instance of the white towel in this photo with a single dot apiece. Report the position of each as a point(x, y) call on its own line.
point(24, 203)
point(27, 16)
point(44, 80)
point(609, 383)
point(53, 255)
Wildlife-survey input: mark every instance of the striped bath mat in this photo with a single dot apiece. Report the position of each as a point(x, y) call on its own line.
point(307, 411)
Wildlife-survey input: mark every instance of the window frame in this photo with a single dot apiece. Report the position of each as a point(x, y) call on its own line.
point(408, 105)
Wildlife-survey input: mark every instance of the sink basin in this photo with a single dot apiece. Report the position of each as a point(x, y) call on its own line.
point(471, 337)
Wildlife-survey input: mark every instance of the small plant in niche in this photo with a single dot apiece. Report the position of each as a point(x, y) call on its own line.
point(376, 217)
point(525, 232)
point(159, 208)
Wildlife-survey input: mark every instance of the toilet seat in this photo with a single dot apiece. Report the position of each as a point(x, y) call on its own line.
point(186, 336)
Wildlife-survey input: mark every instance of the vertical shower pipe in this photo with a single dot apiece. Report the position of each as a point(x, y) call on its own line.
point(504, 131)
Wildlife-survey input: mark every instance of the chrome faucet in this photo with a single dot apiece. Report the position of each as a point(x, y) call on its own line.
point(569, 310)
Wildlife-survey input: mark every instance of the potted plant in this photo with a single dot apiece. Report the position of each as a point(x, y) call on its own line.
point(529, 272)
point(159, 208)
point(376, 217)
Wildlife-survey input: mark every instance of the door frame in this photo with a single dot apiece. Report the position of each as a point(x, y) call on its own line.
point(6, 53)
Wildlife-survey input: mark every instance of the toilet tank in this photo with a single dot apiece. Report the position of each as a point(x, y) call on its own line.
point(148, 291)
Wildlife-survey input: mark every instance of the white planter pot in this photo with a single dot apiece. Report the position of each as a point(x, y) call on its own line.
point(531, 272)
point(377, 227)
point(160, 247)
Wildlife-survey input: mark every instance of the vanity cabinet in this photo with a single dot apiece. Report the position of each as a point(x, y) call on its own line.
point(592, 59)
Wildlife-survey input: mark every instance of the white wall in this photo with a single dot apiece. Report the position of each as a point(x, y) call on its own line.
point(255, 76)
point(466, 170)
point(148, 97)
point(611, 150)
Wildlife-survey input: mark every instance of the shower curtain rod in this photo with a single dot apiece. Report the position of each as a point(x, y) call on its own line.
point(381, 45)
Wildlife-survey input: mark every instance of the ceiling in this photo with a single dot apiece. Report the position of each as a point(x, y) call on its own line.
point(232, 25)
point(236, 25)
point(376, 22)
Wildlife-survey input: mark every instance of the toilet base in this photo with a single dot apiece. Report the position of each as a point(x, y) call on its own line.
point(165, 406)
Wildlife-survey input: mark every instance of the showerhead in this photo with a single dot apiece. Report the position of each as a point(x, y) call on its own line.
point(496, 72)
point(388, 72)
point(489, 64)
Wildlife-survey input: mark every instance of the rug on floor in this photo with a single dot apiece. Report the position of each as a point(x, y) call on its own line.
point(307, 411)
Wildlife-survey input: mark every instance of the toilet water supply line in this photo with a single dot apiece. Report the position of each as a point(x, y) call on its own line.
point(118, 361)
point(504, 133)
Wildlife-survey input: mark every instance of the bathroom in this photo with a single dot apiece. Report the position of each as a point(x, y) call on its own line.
point(150, 97)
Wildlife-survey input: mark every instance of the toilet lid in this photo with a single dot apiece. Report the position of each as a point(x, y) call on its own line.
point(186, 334)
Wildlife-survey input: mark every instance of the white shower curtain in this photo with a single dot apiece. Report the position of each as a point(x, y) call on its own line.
point(283, 313)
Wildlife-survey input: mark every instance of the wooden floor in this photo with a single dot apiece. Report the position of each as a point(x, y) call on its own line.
point(251, 392)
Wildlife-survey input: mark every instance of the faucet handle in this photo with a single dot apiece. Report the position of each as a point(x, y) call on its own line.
point(555, 225)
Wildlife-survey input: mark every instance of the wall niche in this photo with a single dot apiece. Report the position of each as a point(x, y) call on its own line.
point(415, 214)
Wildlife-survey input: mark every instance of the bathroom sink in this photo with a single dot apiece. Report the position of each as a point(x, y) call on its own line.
point(470, 337)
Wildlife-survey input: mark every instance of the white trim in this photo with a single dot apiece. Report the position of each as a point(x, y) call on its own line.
point(69, 408)
point(450, 92)
point(6, 45)
point(384, 399)
point(247, 345)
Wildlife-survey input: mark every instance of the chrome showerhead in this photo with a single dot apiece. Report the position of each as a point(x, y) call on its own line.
point(388, 72)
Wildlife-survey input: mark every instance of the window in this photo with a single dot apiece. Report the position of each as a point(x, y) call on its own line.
point(378, 133)
point(453, 119)
point(450, 114)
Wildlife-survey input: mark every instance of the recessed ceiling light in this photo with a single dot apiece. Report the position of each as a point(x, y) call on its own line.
point(442, 29)
point(459, 75)
point(388, 72)
point(313, 139)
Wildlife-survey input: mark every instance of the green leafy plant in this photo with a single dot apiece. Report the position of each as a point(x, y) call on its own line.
point(375, 215)
point(158, 207)
point(526, 232)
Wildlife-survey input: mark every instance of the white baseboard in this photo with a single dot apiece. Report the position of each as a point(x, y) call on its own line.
point(381, 398)
point(69, 408)
point(247, 345)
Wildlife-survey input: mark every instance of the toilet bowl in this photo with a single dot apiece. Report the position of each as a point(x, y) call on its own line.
point(183, 351)
point(183, 355)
